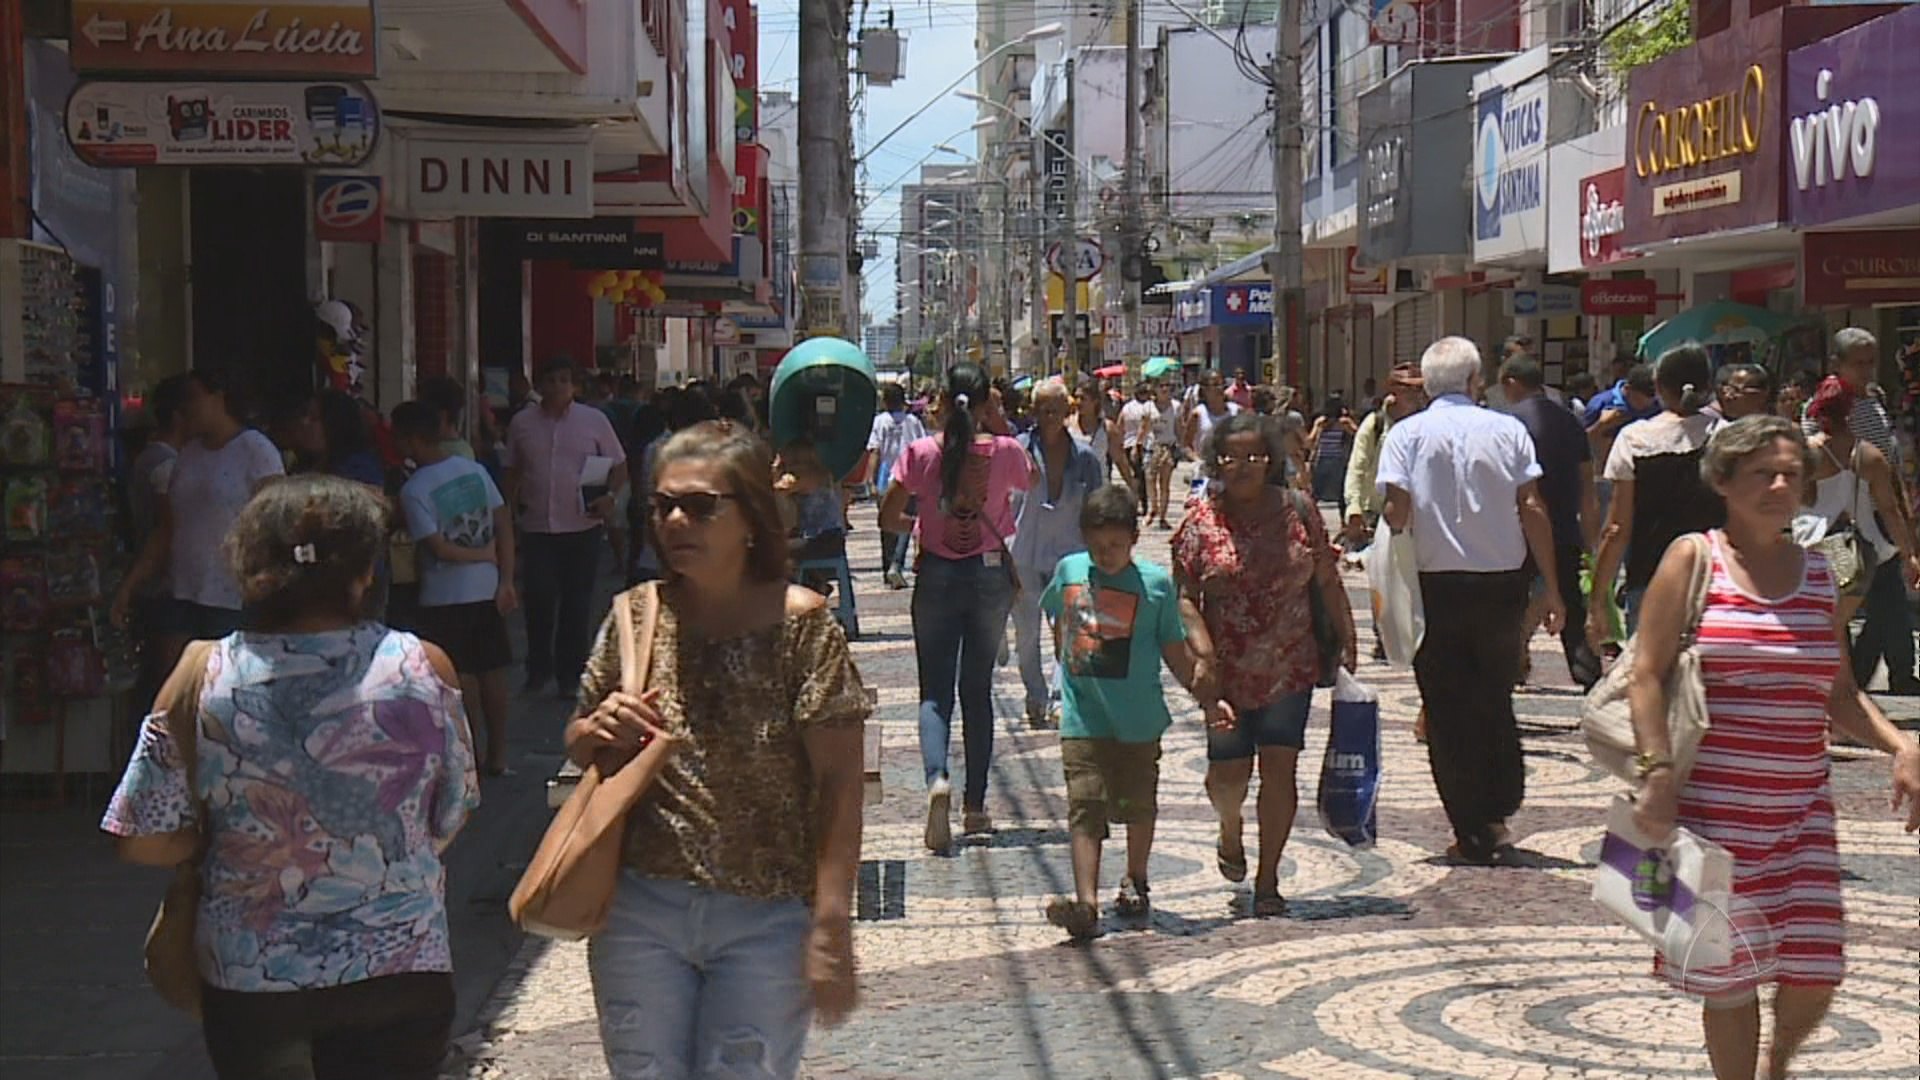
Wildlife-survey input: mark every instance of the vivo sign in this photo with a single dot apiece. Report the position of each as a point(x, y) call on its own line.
point(1828, 142)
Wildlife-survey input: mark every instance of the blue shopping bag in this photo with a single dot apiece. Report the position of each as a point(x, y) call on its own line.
point(1350, 772)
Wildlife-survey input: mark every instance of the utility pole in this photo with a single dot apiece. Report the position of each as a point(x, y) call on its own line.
point(1069, 238)
point(1130, 197)
point(1034, 231)
point(1285, 266)
point(825, 189)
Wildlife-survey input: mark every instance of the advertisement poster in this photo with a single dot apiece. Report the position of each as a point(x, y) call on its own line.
point(216, 123)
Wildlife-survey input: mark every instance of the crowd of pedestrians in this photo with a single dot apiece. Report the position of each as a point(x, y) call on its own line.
point(356, 691)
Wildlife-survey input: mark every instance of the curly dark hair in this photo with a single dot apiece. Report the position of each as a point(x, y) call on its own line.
point(302, 543)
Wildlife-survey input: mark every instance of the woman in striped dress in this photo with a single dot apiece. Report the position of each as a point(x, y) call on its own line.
point(1775, 669)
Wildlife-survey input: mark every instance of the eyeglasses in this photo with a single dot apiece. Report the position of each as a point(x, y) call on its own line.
point(1228, 461)
point(698, 506)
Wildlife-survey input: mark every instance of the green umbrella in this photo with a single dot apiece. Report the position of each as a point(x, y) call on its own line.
point(1721, 322)
point(1158, 366)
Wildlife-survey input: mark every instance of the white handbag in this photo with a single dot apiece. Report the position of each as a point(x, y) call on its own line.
point(1606, 717)
point(1676, 896)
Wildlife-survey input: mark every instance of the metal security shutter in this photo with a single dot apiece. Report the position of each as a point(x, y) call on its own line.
point(1415, 323)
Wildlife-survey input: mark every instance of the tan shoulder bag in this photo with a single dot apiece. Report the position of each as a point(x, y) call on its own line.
point(1606, 717)
point(568, 888)
point(170, 955)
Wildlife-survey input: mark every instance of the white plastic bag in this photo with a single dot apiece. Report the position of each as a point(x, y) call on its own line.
point(1676, 896)
point(1393, 574)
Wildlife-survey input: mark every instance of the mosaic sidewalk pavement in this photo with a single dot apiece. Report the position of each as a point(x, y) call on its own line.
point(1390, 965)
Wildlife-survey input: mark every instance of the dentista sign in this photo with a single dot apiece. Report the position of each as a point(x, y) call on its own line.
point(1726, 125)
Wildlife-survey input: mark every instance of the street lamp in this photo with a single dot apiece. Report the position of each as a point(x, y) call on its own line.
point(1035, 34)
point(1051, 140)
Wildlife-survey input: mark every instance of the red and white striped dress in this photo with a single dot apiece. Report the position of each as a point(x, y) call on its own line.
point(1759, 786)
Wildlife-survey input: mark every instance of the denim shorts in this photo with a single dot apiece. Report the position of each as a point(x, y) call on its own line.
point(1277, 723)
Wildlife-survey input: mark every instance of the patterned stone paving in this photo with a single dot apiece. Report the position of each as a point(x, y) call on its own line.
point(1390, 964)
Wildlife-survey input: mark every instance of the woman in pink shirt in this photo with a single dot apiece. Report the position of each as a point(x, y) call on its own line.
point(963, 481)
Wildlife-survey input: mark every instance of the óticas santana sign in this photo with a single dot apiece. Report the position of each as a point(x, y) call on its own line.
point(317, 38)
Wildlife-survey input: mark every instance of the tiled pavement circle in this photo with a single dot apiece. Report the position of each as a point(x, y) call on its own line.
point(1389, 965)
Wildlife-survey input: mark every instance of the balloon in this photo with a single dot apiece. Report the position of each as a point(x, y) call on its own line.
point(596, 290)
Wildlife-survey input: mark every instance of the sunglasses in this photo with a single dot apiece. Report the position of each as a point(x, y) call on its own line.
point(1228, 461)
point(698, 506)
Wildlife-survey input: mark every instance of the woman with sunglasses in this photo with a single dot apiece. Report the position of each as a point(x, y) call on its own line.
point(963, 481)
point(1210, 410)
point(1247, 558)
point(732, 913)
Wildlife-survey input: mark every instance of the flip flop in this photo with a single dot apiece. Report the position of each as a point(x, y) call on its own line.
point(1269, 906)
point(1234, 870)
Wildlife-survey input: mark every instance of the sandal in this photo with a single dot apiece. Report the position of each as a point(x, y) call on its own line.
point(1234, 870)
point(1133, 901)
point(1269, 905)
point(1080, 921)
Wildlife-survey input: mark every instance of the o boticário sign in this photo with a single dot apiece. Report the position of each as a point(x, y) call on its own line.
point(113, 124)
point(310, 39)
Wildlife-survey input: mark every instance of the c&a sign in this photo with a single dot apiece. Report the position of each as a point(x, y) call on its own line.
point(1703, 136)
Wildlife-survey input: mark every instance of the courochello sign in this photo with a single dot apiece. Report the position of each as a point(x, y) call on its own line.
point(1726, 125)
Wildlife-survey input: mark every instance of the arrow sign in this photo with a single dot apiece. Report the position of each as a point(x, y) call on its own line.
point(99, 30)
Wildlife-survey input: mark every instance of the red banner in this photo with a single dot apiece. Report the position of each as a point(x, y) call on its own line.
point(1878, 266)
point(1624, 296)
point(1603, 217)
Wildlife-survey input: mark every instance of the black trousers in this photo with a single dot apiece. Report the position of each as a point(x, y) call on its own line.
point(1466, 667)
point(394, 1027)
point(1582, 664)
point(559, 570)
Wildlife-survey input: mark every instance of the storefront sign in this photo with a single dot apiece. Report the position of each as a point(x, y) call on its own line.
point(742, 21)
point(1625, 296)
point(311, 39)
point(1510, 157)
point(1089, 257)
point(1872, 266)
point(479, 172)
point(1603, 217)
point(348, 209)
point(222, 123)
point(1190, 312)
point(1242, 304)
point(606, 243)
point(1058, 175)
point(1411, 127)
point(1853, 117)
point(1703, 136)
point(1364, 282)
point(1544, 302)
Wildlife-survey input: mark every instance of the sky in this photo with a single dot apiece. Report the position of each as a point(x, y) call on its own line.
point(939, 49)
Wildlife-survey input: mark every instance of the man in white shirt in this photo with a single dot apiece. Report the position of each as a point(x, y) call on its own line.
point(1464, 481)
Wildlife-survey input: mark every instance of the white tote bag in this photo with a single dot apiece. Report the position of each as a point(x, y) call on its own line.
point(1677, 896)
point(1393, 575)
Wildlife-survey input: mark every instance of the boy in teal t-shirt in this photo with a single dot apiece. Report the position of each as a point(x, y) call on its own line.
point(1115, 618)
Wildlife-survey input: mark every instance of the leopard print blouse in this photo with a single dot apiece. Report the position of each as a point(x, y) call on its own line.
point(734, 809)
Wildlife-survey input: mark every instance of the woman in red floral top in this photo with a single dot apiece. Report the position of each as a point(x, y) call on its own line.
point(1245, 558)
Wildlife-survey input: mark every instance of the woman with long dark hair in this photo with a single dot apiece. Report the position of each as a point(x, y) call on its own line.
point(1331, 442)
point(1658, 495)
point(964, 480)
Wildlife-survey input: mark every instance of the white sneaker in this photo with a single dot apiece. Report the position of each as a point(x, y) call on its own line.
point(940, 816)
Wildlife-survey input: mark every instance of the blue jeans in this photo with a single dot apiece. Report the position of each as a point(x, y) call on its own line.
point(693, 983)
point(1887, 629)
point(1032, 637)
point(959, 623)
